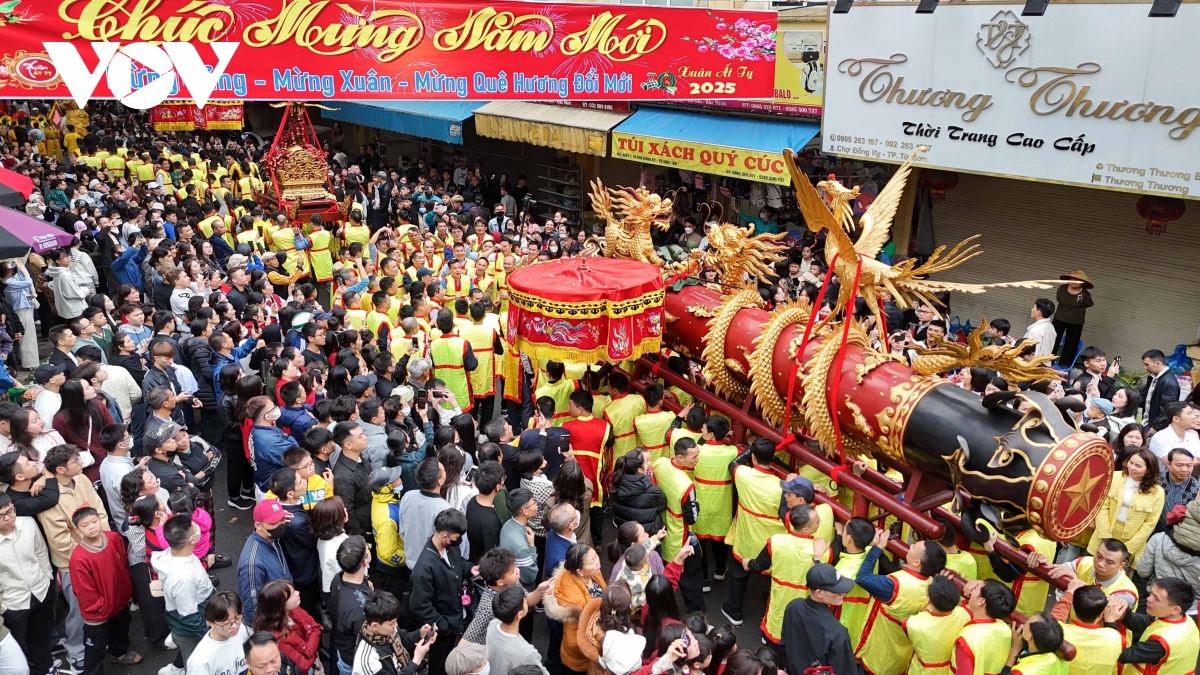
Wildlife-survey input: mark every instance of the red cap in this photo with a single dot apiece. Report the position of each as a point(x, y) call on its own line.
point(269, 511)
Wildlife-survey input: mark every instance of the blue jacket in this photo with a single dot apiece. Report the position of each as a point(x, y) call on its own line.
point(267, 445)
point(556, 548)
point(410, 460)
point(219, 361)
point(297, 420)
point(221, 249)
point(261, 561)
point(127, 267)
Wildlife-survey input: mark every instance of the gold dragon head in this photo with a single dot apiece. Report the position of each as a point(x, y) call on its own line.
point(631, 209)
point(840, 201)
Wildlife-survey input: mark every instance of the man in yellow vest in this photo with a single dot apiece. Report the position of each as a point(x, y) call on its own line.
point(959, 561)
point(857, 535)
point(884, 648)
point(319, 241)
point(689, 423)
point(1106, 569)
point(355, 232)
point(930, 630)
point(356, 316)
point(800, 491)
point(488, 347)
point(621, 412)
point(680, 514)
point(591, 441)
point(714, 490)
point(378, 321)
point(788, 557)
point(1097, 647)
point(1167, 640)
point(458, 284)
point(756, 519)
point(652, 426)
point(559, 388)
point(210, 217)
point(983, 643)
point(1034, 647)
point(453, 359)
point(115, 165)
point(1029, 589)
point(289, 239)
point(811, 633)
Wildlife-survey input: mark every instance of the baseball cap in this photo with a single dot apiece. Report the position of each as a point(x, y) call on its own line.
point(466, 657)
point(800, 486)
point(300, 319)
point(823, 577)
point(1103, 404)
point(47, 371)
point(359, 385)
point(157, 206)
point(323, 316)
point(405, 393)
point(384, 475)
point(153, 184)
point(269, 511)
point(423, 272)
point(236, 260)
point(159, 434)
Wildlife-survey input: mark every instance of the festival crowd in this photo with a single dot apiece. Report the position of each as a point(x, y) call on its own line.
point(425, 499)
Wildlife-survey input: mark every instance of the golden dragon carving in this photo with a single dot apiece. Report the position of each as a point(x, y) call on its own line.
point(629, 213)
point(1004, 359)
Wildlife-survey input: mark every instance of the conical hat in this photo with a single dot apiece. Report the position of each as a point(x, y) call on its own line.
point(1078, 275)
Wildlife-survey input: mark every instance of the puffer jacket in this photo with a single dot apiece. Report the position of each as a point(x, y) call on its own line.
point(637, 498)
point(196, 355)
point(1166, 557)
point(267, 445)
point(1187, 531)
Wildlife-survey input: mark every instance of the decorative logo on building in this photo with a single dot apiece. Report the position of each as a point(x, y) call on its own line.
point(1003, 39)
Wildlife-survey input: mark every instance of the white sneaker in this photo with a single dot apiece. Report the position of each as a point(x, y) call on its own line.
point(133, 607)
point(169, 643)
point(171, 669)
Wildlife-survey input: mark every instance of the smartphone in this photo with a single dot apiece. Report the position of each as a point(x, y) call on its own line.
point(685, 639)
point(472, 474)
point(422, 398)
point(414, 342)
point(1117, 362)
point(693, 540)
point(564, 442)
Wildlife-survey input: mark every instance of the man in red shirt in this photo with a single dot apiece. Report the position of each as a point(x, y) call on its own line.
point(100, 573)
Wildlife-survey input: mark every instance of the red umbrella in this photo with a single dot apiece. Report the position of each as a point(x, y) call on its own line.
point(19, 182)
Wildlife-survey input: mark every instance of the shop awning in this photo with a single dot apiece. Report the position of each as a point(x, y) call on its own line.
point(436, 120)
point(739, 147)
point(560, 127)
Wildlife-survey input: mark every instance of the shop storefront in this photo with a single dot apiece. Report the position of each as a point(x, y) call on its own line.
point(1061, 156)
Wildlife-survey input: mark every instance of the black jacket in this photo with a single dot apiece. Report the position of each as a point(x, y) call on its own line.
point(132, 363)
point(437, 589)
point(345, 607)
point(196, 356)
point(300, 546)
point(60, 358)
point(637, 498)
point(158, 378)
point(1166, 391)
point(231, 431)
point(350, 483)
point(169, 339)
point(812, 636)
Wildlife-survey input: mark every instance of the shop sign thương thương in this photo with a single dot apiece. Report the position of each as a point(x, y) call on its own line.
point(143, 52)
point(1098, 95)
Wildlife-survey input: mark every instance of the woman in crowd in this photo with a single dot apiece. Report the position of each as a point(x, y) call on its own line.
point(328, 521)
point(635, 497)
point(575, 584)
point(30, 435)
point(1133, 505)
point(122, 352)
point(279, 613)
point(79, 421)
point(571, 486)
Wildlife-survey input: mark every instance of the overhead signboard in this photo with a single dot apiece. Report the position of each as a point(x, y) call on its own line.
point(145, 51)
point(799, 76)
point(1099, 95)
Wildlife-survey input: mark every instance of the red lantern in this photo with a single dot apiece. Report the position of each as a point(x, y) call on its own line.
point(1158, 211)
point(938, 183)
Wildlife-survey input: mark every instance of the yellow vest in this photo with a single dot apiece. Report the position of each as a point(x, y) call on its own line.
point(675, 484)
point(1096, 648)
point(377, 319)
point(318, 253)
point(250, 238)
point(673, 436)
point(115, 165)
point(457, 289)
point(885, 648)
point(448, 352)
point(714, 492)
point(401, 343)
point(1182, 642)
point(356, 318)
point(561, 393)
point(930, 636)
point(483, 378)
point(145, 172)
point(651, 429)
point(93, 161)
point(1040, 664)
point(357, 234)
point(856, 604)
point(245, 187)
point(826, 530)
point(1085, 570)
point(757, 518)
point(620, 414)
point(791, 558)
point(682, 396)
point(600, 403)
point(1030, 590)
point(964, 563)
point(988, 640)
point(206, 226)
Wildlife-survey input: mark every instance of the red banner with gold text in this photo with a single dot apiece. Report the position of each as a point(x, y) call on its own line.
point(384, 49)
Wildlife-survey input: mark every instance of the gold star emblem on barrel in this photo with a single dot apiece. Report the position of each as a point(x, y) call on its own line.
point(1081, 490)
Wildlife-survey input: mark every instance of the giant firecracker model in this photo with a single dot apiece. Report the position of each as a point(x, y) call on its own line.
point(785, 374)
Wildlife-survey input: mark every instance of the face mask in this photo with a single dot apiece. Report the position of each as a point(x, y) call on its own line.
point(273, 415)
point(454, 543)
point(405, 411)
point(487, 668)
point(554, 249)
point(398, 489)
point(689, 230)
